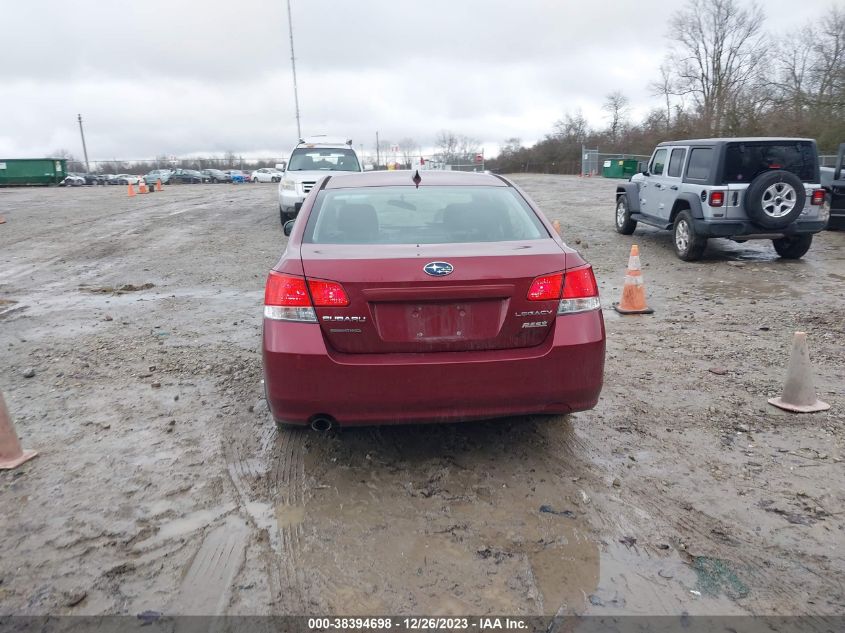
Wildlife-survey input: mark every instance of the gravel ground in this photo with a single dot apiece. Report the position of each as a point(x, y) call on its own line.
point(130, 333)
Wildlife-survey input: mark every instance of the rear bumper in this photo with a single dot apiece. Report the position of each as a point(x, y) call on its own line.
point(741, 228)
point(303, 378)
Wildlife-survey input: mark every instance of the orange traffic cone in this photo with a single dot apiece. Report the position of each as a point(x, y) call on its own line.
point(142, 186)
point(158, 185)
point(11, 454)
point(131, 191)
point(2, 220)
point(633, 292)
point(799, 394)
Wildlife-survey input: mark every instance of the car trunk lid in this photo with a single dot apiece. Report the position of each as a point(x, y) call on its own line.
point(395, 306)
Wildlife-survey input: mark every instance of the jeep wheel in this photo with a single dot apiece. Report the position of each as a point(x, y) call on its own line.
point(775, 199)
point(688, 244)
point(793, 247)
point(624, 224)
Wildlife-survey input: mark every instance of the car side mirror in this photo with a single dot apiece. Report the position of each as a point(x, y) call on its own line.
point(645, 172)
point(288, 228)
point(280, 166)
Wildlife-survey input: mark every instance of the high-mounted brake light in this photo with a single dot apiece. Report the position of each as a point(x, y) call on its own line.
point(818, 197)
point(546, 287)
point(717, 198)
point(580, 291)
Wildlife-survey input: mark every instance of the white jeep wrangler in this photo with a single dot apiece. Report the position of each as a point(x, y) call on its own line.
point(738, 188)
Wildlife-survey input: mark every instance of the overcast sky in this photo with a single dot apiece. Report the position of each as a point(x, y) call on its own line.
point(183, 77)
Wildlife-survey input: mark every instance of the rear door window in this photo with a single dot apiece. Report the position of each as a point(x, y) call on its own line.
point(430, 215)
point(700, 160)
point(676, 162)
point(745, 161)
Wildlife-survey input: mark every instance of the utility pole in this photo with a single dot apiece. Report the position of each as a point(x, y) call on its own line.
point(84, 149)
point(378, 160)
point(293, 66)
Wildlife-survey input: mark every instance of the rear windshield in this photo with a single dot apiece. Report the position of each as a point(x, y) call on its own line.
point(744, 161)
point(431, 215)
point(311, 159)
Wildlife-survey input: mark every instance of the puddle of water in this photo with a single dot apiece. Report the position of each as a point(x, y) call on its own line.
point(185, 525)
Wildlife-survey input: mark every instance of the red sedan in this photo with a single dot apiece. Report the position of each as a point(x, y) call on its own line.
point(428, 296)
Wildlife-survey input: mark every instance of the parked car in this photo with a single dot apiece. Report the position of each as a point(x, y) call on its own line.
point(266, 174)
point(90, 179)
point(182, 176)
point(72, 180)
point(738, 188)
point(454, 300)
point(833, 181)
point(125, 179)
point(158, 174)
point(238, 175)
point(309, 161)
point(216, 175)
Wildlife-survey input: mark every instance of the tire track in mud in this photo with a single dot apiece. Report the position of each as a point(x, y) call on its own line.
point(271, 490)
point(699, 529)
point(286, 492)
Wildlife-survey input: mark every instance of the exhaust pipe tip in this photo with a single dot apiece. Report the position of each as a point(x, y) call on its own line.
point(322, 423)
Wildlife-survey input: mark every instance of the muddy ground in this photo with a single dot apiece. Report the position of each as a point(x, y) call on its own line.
point(129, 358)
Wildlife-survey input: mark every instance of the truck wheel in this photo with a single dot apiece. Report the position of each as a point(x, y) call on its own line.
point(624, 224)
point(688, 244)
point(775, 199)
point(793, 247)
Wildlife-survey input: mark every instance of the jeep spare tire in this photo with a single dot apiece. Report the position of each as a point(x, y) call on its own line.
point(775, 199)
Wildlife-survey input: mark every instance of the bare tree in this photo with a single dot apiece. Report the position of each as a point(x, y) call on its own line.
point(572, 128)
point(716, 54)
point(456, 148)
point(408, 149)
point(616, 106)
point(664, 88)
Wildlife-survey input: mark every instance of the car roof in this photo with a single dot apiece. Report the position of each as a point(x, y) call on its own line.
point(404, 177)
point(738, 139)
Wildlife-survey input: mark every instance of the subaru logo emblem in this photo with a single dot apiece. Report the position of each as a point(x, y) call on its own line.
point(438, 269)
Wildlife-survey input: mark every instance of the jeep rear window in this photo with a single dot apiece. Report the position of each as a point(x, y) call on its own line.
point(699, 163)
point(745, 161)
point(429, 215)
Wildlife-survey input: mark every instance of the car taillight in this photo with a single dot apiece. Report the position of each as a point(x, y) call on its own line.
point(287, 298)
point(580, 291)
point(818, 197)
point(327, 293)
point(717, 198)
point(546, 287)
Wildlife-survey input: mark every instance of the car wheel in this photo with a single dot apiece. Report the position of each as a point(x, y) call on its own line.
point(274, 179)
point(255, 180)
point(624, 224)
point(775, 199)
point(793, 247)
point(214, 181)
point(688, 244)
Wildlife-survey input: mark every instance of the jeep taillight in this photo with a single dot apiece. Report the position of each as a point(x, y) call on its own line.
point(717, 198)
point(818, 197)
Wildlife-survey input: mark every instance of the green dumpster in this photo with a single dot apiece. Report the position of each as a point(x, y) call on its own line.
point(32, 171)
point(619, 167)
